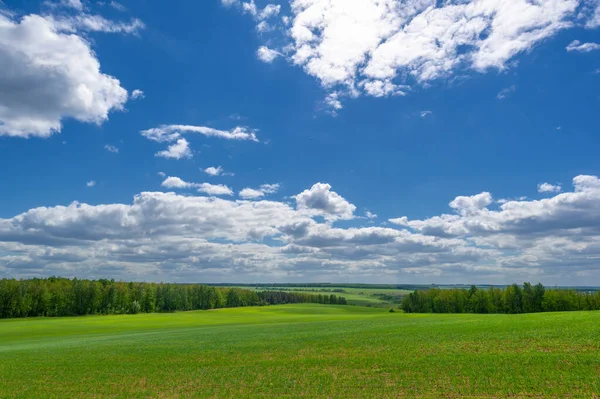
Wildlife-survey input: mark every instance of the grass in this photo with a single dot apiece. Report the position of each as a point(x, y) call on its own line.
point(354, 296)
point(311, 351)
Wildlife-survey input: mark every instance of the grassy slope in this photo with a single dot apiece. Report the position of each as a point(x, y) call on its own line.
point(302, 351)
point(354, 296)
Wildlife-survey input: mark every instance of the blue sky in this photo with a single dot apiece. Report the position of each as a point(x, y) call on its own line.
point(349, 141)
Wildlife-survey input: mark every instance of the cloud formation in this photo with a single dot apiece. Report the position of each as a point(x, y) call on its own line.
point(576, 45)
point(266, 54)
point(382, 48)
point(95, 23)
point(549, 188)
point(182, 237)
point(168, 133)
point(207, 188)
point(214, 170)
point(47, 76)
point(251, 193)
point(111, 148)
point(320, 200)
point(137, 94)
point(179, 150)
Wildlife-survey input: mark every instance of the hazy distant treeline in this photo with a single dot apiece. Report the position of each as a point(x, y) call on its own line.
point(512, 299)
point(57, 296)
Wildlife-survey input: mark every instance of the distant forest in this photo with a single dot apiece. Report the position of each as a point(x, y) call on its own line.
point(511, 299)
point(57, 296)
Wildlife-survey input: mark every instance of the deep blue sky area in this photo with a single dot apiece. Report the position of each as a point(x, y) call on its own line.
point(530, 118)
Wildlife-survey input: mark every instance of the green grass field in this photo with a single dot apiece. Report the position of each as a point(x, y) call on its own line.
point(312, 351)
point(355, 296)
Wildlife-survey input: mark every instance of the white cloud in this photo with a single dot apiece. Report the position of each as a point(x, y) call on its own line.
point(137, 94)
point(95, 23)
point(576, 45)
point(370, 215)
point(161, 174)
point(379, 88)
point(332, 101)
point(425, 114)
point(506, 92)
point(214, 171)
point(269, 11)
point(250, 8)
point(57, 76)
point(267, 55)
point(176, 182)
point(559, 214)
point(171, 237)
point(263, 26)
point(466, 205)
point(251, 193)
point(207, 188)
point(270, 188)
point(319, 199)
point(355, 47)
point(75, 4)
point(214, 189)
point(261, 17)
point(594, 20)
point(91, 183)
point(549, 188)
point(117, 6)
point(229, 3)
point(179, 150)
point(111, 148)
point(167, 133)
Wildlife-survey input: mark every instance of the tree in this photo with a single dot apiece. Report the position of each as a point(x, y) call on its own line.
point(528, 298)
point(538, 297)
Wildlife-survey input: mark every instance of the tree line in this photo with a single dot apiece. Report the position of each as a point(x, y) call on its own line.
point(56, 296)
point(512, 299)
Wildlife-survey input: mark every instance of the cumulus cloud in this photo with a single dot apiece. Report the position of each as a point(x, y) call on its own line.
point(179, 150)
point(377, 47)
point(168, 133)
point(137, 93)
point(576, 45)
point(251, 193)
point(267, 55)
point(91, 183)
point(188, 236)
point(560, 214)
point(370, 215)
point(176, 182)
point(594, 20)
point(471, 204)
point(269, 11)
point(172, 237)
point(549, 188)
point(214, 189)
point(214, 171)
point(47, 76)
point(207, 188)
point(319, 199)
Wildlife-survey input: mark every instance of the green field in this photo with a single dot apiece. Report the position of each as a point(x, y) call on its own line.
point(355, 296)
point(312, 351)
